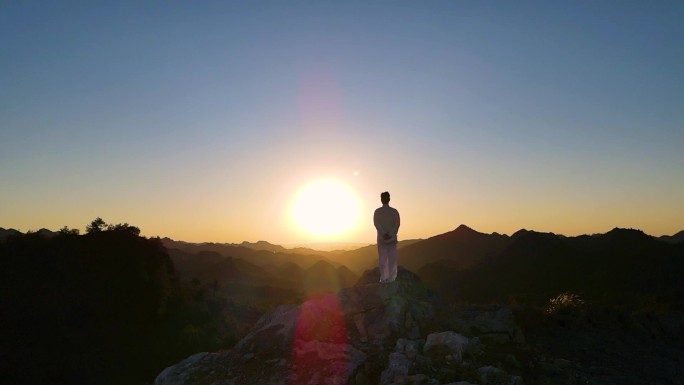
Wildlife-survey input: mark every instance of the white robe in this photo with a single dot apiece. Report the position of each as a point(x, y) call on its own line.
point(386, 220)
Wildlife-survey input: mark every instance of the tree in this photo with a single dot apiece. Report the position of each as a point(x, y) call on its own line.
point(67, 231)
point(96, 226)
point(124, 227)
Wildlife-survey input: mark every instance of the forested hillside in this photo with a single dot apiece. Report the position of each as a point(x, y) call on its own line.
point(106, 307)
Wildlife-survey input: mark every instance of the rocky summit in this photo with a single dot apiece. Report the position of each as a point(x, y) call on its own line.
point(372, 333)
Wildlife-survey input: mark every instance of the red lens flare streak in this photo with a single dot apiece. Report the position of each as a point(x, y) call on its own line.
point(319, 344)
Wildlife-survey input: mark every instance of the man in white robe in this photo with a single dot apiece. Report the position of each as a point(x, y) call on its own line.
point(386, 220)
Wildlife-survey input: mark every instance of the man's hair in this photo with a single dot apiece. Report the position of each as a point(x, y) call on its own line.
point(385, 197)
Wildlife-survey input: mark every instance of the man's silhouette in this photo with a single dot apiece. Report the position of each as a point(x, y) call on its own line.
point(386, 220)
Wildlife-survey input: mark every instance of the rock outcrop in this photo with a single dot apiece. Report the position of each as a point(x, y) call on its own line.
point(491, 322)
point(372, 333)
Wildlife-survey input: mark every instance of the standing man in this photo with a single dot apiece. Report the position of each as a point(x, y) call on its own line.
point(386, 220)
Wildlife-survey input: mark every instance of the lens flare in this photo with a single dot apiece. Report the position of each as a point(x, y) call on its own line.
point(319, 347)
point(320, 101)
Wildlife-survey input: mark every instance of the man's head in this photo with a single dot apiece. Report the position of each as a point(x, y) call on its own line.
point(385, 198)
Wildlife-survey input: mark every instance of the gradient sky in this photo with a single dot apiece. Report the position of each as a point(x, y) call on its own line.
point(201, 120)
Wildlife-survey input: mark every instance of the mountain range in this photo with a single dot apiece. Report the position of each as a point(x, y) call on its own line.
point(621, 266)
point(112, 294)
point(464, 264)
point(455, 251)
point(262, 253)
point(677, 238)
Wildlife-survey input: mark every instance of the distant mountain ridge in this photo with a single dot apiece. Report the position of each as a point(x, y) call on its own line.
point(263, 252)
point(258, 245)
point(262, 245)
point(257, 256)
point(455, 261)
point(676, 238)
point(4, 233)
point(463, 247)
point(242, 273)
point(623, 265)
point(460, 249)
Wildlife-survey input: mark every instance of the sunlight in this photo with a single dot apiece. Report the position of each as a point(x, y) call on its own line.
point(325, 209)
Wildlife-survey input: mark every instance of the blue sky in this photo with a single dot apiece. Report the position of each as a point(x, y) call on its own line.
point(201, 121)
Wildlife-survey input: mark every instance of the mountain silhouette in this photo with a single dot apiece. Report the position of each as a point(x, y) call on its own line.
point(462, 248)
point(4, 233)
point(623, 265)
point(262, 245)
point(325, 277)
point(251, 254)
point(278, 273)
point(364, 258)
point(46, 233)
point(676, 238)
point(288, 269)
point(262, 252)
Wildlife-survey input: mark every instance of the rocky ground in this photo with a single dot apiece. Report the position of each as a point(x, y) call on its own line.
point(402, 333)
point(603, 346)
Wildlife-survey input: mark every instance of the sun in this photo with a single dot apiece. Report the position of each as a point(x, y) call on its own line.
point(325, 209)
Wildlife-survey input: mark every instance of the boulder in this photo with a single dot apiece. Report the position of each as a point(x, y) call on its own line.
point(179, 373)
point(378, 314)
point(447, 342)
point(401, 362)
point(323, 363)
point(410, 348)
point(490, 375)
point(492, 323)
point(399, 366)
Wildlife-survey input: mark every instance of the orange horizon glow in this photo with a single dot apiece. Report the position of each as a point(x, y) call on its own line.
point(193, 231)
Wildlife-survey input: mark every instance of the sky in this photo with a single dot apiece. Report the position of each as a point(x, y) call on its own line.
point(202, 121)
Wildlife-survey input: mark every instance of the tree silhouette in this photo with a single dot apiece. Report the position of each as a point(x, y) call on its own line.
point(67, 231)
point(82, 307)
point(124, 227)
point(96, 226)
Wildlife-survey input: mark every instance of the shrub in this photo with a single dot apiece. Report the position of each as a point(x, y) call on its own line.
point(564, 302)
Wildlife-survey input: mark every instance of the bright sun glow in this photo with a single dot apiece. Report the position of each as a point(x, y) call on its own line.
point(325, 209)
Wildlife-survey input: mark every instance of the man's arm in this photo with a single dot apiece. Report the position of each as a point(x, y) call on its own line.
point(377, 224)
point(396, 223)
